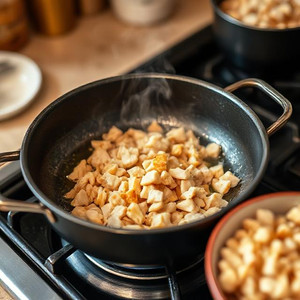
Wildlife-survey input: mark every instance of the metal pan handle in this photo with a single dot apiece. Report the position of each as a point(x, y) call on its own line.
point(9, 156)
point(17, 205)
point(270, 91)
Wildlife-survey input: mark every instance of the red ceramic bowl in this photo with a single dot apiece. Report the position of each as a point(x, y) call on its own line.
point(279, 203)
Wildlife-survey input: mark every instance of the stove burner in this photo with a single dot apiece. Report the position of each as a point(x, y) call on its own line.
point(138, 272)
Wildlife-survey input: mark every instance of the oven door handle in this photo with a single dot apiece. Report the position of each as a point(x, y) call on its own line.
point(22, 206)
point(273, 94)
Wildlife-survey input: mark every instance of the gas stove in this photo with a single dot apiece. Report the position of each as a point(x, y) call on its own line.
point(39, 264)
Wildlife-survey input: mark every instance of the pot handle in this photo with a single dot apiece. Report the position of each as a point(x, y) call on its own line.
point(9, 156)
point(270, 91)
point(17, 205)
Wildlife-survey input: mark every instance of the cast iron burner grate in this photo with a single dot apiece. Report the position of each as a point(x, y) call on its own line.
point(137, 272)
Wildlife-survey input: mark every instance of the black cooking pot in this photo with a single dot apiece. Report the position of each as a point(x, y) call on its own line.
point(60, 136)
point(254, 49)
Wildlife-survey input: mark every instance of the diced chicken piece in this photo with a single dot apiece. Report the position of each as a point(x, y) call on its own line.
point(79, 211)
point(185, 185)
point(136, 172)
point(213, 150)
point(81, 199)
point(123, 187)
point(151, 153)
point(190, 217)
point(134, 212)
point(95, 216)
point(173, 163)
point(217, 171)
point(145, 191)
point(130, 196)
point(194, 157)
point(169, 207)
point(121, 172)
point(161, 220)
point(99, 157)
point(119, 211)
point(263, 235)
point(134, 183)
point(80, 170)
point(101, 197)
point(191, 136)
point(144, 207)
point(213, 200)
point(294, 215)
point(106, 145)
point(92, 192)
point(157, 142)
point(152, 177)
point(115, 199)
point(179, 173)
point(281, 290)
point(221, 186)
point(113, 153)
point(136, 134)
point(169, 195)
point(167, 179)
point(146, 164)
point(112, 134)
point(177, 135)
point(114, 222)
point(176, 217)
point(177, 149)
point(83, 181)
point(194, 192)
point(211, 211)
point(194, 161)
point(70, 194)
point(127, 221)
point(111, 169)
point(200, 203)
point(186, 205)
point(106, 210)
point(207, 174)
point(154, 127)
point(111, 182)
point(128, 156)
point(232, 178)
point(159, 162)
point(154, 196)
point(156, 206)
point(265, 217)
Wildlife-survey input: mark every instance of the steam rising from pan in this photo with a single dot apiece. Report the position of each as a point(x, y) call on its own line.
point(153, 102)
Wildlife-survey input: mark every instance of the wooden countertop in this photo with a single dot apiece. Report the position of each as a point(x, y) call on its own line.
point(99, 46)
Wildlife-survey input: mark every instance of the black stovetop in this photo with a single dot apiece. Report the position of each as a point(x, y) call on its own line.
point(69, 272)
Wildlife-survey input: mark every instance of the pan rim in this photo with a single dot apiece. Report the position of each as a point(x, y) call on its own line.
point(66, 215)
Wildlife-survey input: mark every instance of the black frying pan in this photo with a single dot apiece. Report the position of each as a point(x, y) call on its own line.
point(60, 135)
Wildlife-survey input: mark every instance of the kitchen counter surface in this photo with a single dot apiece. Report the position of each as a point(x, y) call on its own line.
point(99, 46)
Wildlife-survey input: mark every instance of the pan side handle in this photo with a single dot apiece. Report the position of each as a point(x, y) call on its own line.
point(17, 205)
point(9, 156)
point(273, 94)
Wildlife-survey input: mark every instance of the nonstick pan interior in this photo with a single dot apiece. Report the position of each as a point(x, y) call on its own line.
point(61, 135)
